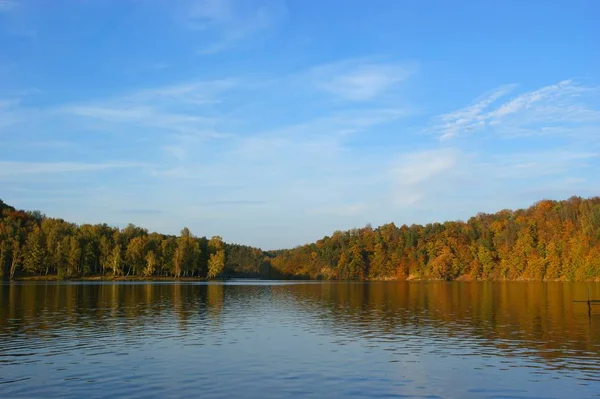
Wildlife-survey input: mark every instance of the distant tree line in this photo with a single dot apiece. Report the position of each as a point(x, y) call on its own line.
point(33, 244)
point(551, 240)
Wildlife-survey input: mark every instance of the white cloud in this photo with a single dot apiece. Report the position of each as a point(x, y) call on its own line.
point(360, 80)
point(230, 23)
point(527, 100)
point(352, 209)
point(293, 157)
point(182, 113)
point(112, 114)
point(535, 165)
point(195, 93)
point(471, 117)
point(143, 115)
point(413, 174)
point(10, 168)
point(6, 104)
point(158, 106)
point(417, 168)
point(453, 183)
point(562, 108)
point(342, 123)
point(191, 113)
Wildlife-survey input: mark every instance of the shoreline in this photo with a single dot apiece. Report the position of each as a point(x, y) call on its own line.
point(462, 279)
point(109, 278)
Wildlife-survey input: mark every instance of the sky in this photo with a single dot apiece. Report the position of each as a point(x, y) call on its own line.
point(273, 123)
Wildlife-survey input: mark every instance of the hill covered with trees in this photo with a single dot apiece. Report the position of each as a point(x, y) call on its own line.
point(551, 240)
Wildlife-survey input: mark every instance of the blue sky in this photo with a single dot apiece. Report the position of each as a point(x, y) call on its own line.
point(273, 123)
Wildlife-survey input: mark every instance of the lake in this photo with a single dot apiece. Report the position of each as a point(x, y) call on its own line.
point(260, 339)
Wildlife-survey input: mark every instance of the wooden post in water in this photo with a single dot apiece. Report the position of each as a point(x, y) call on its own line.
point(589, 302)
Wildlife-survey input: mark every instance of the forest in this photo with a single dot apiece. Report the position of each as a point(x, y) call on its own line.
point(32, 244)
point(551, 240)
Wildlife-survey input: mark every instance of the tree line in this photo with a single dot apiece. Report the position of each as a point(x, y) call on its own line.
point(33, 244)
point(551, 240)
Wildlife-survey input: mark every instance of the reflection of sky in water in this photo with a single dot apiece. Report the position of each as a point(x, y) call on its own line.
point(304, 340)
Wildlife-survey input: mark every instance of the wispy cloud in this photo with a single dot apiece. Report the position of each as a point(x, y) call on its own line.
point(555, 109)
point(527, 165)
point(262, 150)
point(452, 183)
point(352, 209)
point(139, 211)
point(527, 100)
point(341, 123)
point(10, 168)
point(189, 114)
point(17, 18)
point(9, 113)
point(471, 117)
point(182, 113)
point(137, 67)
point(7, 5)
point(360, 80)
point(224, 24)
point(413, 174)
point(232, 202)
point(199, 92)
point(11, 106)
point(162, 103)
point(307, 163)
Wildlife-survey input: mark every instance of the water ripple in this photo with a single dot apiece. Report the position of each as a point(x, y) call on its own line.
point(271, 340)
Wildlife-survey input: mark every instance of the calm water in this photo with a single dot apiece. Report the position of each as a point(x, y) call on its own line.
point(321, 340)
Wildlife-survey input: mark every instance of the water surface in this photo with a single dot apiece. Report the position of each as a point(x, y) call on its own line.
point(299, 339)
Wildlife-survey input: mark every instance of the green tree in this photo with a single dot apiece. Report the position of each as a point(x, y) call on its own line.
point(73, 255)
point(379, 262)
point(486, 258)
point(34, 256)
point(168, 250)
point(4, 257)
point(106, 247)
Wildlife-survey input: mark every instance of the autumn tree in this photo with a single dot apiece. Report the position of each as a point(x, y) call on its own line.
point(151, 261)
point(549, 240)
point(216, 261)
point(135, 255)
point(187, 254)
point(116, 261)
